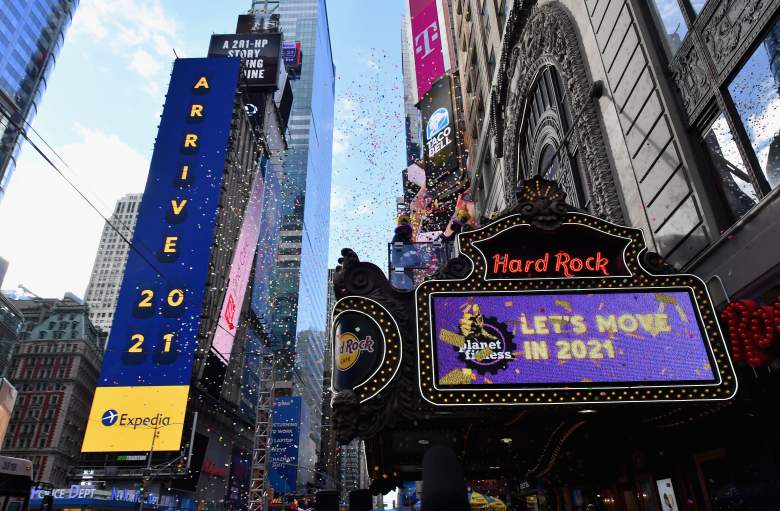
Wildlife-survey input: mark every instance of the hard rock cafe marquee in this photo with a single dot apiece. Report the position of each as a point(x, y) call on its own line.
point(545, 306)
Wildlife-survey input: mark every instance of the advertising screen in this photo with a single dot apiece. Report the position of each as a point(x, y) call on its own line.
point(240, 269)
point(427, 44)
point(147, 367)
point(259, 53)
point(602, 338)
point(285, 433)
point(439, 133)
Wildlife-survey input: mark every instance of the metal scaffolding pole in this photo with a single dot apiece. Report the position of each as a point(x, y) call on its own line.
point(259, 487)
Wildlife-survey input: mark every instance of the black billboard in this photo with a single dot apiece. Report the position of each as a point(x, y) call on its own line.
point(260, 55)
point(439, 131)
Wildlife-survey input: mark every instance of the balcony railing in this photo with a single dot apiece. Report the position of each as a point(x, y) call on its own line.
point(409, 264)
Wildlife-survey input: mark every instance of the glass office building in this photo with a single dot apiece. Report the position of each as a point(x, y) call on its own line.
point(300, 284)
point(31, 35)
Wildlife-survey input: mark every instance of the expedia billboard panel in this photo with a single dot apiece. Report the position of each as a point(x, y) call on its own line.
point(145, 378)
point(359, 348)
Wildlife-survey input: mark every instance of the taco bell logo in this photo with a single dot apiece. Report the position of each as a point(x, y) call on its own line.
point(438, 121)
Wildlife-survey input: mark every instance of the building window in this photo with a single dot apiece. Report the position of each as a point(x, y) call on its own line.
point(545, 145)
point(754, 92)
point(670, 20)
point(698, 5)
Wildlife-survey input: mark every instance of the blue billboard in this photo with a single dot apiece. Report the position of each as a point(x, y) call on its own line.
point(144, 381)
point(285, 435)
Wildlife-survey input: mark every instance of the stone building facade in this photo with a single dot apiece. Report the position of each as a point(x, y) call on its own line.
point(55, 368)
point(662, 115)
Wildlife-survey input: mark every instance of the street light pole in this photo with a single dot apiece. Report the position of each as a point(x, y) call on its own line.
point(146, 478)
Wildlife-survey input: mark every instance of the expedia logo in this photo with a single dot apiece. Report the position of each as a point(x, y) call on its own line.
point(349, 349)
point(111, 417)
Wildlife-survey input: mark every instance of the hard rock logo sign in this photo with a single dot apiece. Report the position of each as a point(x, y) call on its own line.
point(349, 348)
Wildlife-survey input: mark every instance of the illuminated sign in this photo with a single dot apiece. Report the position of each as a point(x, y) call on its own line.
point(358, 348)
point(427, 44)
point(440, 140)
point(240, 269)
point(366, 346)
point(556, 307)
point(143, 388)
point(260, 55)
point(443, 179)
point(522, 252)
point(285, 433)
point(505, 339)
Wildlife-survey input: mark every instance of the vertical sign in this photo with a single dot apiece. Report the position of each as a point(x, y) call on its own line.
point(285, 433)
point(240, 269)
point(426, 43)
point(441, 157)
point(141, 398)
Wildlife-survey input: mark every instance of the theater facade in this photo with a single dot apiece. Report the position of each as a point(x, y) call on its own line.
point(607, 335)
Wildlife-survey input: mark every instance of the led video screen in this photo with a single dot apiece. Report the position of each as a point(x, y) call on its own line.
point(569, 339)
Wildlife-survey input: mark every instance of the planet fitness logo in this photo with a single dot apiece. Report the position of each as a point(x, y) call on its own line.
point(349, 349)
point(109, 417)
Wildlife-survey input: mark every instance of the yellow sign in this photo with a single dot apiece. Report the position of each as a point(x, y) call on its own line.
point(348, 354)
point(127, 419)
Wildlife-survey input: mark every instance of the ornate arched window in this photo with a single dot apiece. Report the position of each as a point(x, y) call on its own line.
point(545, 123)
point(543, 97)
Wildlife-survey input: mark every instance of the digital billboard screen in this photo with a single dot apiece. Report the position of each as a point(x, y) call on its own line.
point(240, 270)
point(285, 437)
point(260, 54)
point(569, 339)
point(426, 43)
point(144, 382)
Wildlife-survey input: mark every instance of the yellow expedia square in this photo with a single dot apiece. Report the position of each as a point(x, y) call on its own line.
point(125, 419)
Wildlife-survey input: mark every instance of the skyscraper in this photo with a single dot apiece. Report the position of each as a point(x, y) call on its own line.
point(411, 113)
point(31, 35)
point(300, 282)
point(109, 267)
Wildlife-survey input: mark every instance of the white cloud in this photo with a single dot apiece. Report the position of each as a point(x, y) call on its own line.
point(340, 141)
point(144, 64)
point(337, 199)
point(47, 232)
point(140, 32)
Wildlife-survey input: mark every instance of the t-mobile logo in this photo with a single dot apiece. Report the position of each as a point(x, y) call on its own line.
point(428, 36)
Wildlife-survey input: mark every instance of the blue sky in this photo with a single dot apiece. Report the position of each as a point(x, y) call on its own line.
point(101, 110)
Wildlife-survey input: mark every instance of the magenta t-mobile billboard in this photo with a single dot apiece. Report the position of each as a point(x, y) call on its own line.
point(427, 44)
point(240, 269)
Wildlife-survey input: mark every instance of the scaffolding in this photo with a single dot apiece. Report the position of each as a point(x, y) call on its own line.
point(259, 488)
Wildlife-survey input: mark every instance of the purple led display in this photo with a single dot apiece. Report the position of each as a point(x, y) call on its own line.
point(628, 338)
